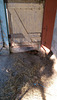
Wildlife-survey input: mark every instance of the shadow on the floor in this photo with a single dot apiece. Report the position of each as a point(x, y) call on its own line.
point(31, 67)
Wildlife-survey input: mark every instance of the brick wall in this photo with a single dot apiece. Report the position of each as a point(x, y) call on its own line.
point(54, 40)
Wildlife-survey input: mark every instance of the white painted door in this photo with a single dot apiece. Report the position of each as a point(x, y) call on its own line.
point(25, 25)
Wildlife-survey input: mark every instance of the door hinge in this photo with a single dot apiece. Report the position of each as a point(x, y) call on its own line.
point(9, 36)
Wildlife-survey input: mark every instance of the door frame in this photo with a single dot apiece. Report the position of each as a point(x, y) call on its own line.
point(48, 22)
point(4, 24)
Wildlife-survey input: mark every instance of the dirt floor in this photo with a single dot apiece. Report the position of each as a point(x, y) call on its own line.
point(27, 76)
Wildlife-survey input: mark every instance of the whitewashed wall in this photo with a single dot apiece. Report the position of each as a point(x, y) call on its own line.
point(54, 40)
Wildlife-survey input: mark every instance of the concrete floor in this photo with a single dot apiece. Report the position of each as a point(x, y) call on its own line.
point(49, 90)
